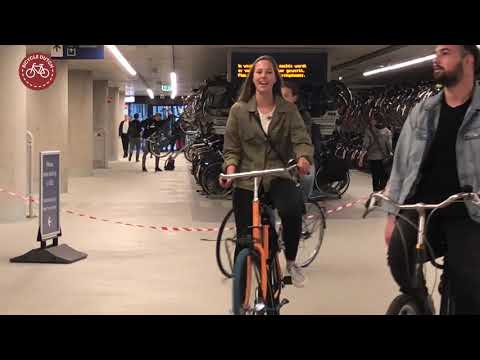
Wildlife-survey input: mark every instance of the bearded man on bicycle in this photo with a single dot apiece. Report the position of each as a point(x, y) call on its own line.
point(437, 155)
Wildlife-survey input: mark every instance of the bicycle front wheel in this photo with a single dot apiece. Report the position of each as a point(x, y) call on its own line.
point(246, 285)
point(342, 186)
point(405, 305)
point(311, 239)
point(225, 246)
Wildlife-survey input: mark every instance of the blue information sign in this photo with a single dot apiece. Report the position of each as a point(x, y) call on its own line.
point(49, 194)
point(77, 52)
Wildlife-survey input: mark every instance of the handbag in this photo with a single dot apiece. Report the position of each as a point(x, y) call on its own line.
point(169, 164)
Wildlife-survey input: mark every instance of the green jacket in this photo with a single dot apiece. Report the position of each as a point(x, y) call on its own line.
point(246, 146)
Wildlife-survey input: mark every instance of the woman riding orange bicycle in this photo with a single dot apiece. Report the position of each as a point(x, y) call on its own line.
point(263, 132)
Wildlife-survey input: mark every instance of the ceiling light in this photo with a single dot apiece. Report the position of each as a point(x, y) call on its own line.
point(150, 93)
point(401, 65)
point(340, 78)
point(121, 59)
point(173, 82)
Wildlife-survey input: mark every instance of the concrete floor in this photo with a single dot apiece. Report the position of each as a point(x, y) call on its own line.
point(144, 271)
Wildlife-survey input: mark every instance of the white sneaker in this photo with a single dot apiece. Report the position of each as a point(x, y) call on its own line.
point(296, 272)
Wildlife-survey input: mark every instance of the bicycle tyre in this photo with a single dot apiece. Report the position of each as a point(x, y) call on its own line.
point(187, 154)
point(225, 269)
point(405, 305)
point(313, 231)
point(240, 284)
point(209, 180)
point(342, 186)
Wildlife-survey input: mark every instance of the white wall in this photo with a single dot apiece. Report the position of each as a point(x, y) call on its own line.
point(47, 119)
point(13, 133)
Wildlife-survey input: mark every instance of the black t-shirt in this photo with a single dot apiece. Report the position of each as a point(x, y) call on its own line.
point(439, 171)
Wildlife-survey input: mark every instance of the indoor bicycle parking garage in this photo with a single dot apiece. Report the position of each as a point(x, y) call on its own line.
point(155, 233)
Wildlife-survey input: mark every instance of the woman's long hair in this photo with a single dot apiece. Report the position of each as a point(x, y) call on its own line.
point(248, 87)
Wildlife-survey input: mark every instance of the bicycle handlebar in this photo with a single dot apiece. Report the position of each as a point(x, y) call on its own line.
point(257, 173)
point(371, 202)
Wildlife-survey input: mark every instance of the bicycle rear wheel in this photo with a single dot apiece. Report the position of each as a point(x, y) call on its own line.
point(313, 229)
point(209, 180)
point(246, 285)
point(225, 246)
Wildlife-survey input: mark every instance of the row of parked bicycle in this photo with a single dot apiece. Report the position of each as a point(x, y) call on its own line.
point(208, 107)
point(393, 104)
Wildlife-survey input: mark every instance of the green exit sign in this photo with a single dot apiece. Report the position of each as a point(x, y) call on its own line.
point(167, 87)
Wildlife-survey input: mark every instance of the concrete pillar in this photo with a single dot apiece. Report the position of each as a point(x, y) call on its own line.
point(113, 139)
point(101, 130)
point(80, 122)
point(47, 119)
point(12, 136)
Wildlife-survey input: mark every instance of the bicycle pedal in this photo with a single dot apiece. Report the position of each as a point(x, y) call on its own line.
point(287, 280)
point(283, 303)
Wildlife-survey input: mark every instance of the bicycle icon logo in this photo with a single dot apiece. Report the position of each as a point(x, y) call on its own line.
point(37, 69)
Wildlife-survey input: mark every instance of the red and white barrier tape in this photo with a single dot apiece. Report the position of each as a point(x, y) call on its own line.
point(346, 206)
point(165, 228)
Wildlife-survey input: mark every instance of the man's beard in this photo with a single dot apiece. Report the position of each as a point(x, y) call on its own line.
point(449, 79)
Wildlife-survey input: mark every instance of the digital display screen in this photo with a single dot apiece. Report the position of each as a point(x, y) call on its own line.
point(305, 68)
point(308, 70)
point(287, 71)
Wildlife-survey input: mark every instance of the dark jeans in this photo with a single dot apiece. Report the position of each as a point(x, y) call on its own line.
point(125, 144)
point(144, 157)
point(458, 239)
point(287, 199)
point(134, 144)
point(379, 175)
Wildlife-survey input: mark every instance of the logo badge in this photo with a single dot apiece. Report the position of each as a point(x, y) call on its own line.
point(37, 71)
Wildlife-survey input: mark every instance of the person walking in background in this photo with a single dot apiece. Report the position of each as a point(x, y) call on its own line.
point(151, 126)
point(377, 142)
point(134, 137)
point(171, 128)
point(123, 133)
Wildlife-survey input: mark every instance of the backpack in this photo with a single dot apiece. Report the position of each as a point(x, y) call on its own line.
point(169, 164)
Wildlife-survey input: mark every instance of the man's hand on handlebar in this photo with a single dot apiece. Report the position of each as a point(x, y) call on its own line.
point(227, 183)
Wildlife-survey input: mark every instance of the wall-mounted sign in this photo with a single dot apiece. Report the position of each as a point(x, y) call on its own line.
point(77, 52)
point(166, 87)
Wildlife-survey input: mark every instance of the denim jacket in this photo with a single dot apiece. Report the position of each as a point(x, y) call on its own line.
point(415, 140)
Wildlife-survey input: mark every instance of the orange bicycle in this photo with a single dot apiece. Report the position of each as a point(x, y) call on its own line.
point(257, 275)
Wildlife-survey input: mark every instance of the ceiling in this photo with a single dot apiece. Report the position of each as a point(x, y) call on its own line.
point(195, 63)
